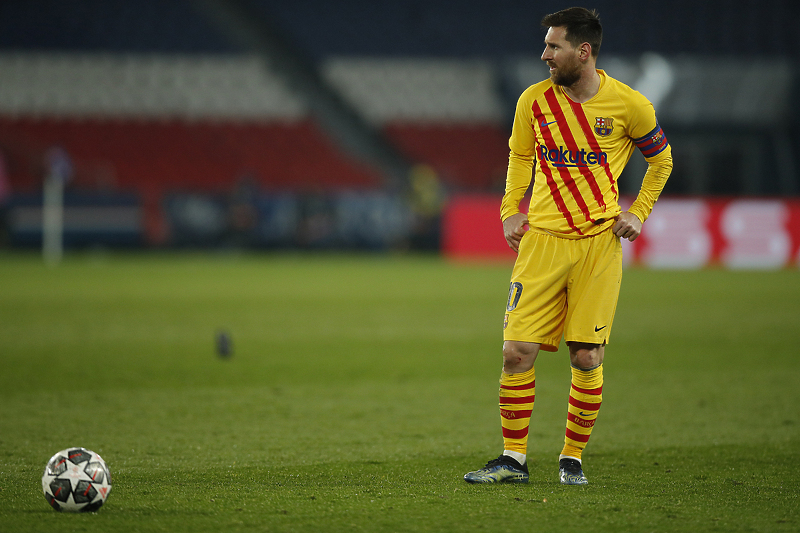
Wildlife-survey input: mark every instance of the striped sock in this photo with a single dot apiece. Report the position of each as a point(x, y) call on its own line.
point(585, 397)
point(517, 392)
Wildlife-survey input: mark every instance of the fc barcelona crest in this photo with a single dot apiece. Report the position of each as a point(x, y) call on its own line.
point(603, 126)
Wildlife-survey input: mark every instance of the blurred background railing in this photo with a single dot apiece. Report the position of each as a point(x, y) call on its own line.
point(313, 124)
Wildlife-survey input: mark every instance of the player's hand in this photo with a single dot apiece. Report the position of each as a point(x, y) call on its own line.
point(627, 226)
point(514, 227)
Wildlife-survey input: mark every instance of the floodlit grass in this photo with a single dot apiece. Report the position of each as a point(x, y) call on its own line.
point(362, 388)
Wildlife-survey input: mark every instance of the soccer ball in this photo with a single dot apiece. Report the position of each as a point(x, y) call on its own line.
point(76, 479)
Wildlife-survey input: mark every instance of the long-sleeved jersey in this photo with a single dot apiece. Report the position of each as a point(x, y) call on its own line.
point(580, 151)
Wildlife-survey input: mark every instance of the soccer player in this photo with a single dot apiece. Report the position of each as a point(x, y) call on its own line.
point(580, 128)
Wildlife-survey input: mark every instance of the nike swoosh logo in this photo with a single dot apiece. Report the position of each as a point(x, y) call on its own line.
point(585, 414)
point(596, 329)
point(545, 124)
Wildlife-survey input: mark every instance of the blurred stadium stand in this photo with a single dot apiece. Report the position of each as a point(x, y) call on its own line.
point(159, 99)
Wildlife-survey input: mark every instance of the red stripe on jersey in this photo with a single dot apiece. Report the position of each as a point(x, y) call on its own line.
point(598, 390)
point(548, 174)
point(506, 400)
point(562, 206)
point(577, 436)
point(564, 172)
point(515, 433)
point(531, 385)
point(572, 145)
point(592, 140)
point(584, 405)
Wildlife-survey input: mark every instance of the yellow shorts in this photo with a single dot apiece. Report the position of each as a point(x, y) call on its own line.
point(564, 287)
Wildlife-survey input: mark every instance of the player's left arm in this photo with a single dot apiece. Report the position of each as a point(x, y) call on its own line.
point(658, 154)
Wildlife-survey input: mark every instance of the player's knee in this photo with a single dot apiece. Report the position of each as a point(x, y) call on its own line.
point(519, 356)
point(586, 356)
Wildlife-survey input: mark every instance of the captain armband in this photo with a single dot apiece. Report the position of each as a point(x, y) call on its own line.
point(653, 143)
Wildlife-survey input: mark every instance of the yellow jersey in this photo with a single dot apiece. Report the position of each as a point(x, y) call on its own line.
point(580, 151)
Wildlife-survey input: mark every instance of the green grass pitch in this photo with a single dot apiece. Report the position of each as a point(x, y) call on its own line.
point(362, 388)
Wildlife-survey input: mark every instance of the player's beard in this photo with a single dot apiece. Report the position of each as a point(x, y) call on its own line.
point(568, 74)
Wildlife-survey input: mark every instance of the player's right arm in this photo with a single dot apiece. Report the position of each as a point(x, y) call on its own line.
point(520, 170)
point(514, 227)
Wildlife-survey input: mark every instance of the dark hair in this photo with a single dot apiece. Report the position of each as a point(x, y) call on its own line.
point(582, 25)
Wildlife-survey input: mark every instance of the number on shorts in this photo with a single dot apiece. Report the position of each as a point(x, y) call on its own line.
point(513, 296)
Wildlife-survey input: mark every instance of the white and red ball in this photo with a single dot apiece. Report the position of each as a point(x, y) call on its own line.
point(76, 479)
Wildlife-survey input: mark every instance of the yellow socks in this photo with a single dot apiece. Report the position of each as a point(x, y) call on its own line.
point(585, 397)
point(517, 392)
